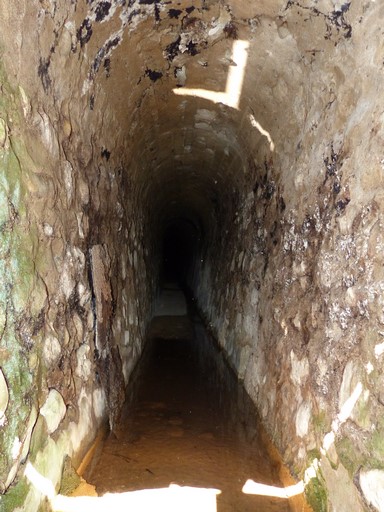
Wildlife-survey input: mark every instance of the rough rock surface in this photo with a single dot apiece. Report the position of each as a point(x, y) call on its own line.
point(259, 122)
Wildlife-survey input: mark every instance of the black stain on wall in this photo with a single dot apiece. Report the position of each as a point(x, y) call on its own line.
point(192, 48)
point(172, 49)
point(230, 30)
point(337, 19)
point(332, 185)
point(107, 67)
point(269, 190)
point(332, 164)
point(43, 72)
point(334, 21)
point(101, 55)
point(102, 10)
point(157, 12)
point(84, 32)
point(342, 204)
point(135, 12)
point(174, 13)
point(105, 154)
point(153, 75)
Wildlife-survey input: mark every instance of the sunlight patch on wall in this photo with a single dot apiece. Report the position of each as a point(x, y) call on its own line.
point(231, 96)
point(251, 487)
point(264, 132)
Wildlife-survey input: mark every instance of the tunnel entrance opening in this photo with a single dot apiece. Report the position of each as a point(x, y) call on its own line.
point(179, 249)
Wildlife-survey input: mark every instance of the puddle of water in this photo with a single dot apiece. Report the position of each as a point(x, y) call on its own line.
point(187, 421)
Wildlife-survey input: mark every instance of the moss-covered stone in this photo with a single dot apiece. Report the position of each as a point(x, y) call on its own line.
point(321, 423)
point(16, 371)
point(376, 447)
point(48, 462)
point(316, 494)
point(15, 497)
point(70, 480)
point(362, 413)
point(349, 455)
point(19, 313)
point(39, 438)
point(352, 457)
point(312, 455)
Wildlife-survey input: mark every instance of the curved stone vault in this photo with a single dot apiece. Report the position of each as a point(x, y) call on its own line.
point(243, 142)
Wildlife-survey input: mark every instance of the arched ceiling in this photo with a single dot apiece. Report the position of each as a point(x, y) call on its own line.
point(189, 95)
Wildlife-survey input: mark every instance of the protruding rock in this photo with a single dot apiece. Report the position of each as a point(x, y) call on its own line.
point(372, 485)
point(4, 397)
point(53, 410)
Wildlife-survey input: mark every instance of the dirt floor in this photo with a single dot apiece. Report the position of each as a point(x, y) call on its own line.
point(188, 421)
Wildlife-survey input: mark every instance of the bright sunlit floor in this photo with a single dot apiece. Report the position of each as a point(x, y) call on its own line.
point(174, 498)
point(171, 499)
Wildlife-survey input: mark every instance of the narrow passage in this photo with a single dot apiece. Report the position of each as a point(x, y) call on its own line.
point(188, 421)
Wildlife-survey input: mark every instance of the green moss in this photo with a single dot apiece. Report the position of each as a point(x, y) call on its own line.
point(312, 455)
point(21, 296)
point(15, 496)
point(349, 455)
point(376, 447)
point(22, 268)
point(39, 438)
point(352, 457)
point(70, 480)
point(12, 176)
point(315, 492)
point(321, 423)
point(4, 212)
point(19, 379)
point(363, 413)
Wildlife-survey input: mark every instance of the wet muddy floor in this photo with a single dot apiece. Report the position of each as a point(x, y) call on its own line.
point(188, 421)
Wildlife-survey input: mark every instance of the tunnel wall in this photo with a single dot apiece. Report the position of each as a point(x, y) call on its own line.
point(288, 187)
point(291, 284)
point(75, 299)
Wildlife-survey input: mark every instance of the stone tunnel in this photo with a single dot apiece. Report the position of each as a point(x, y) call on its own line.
point(236, 146)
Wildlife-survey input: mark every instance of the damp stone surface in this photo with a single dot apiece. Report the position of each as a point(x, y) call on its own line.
point(236, 147)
